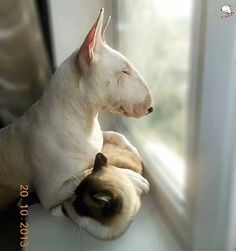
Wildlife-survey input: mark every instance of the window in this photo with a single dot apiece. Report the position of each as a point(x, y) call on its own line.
point(188, 142)
point(155, 37)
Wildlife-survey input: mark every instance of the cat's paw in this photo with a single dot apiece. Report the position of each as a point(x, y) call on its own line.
point(140, 183)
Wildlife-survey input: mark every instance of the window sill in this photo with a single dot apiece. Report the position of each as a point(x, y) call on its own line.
point(148, 232)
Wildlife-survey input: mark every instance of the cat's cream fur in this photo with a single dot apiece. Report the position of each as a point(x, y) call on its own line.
point(114, 201)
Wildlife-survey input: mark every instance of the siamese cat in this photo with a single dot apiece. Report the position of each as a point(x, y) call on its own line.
point(106, 201)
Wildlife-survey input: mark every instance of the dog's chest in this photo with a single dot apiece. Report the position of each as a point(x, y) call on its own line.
point(60, 158)
point(94, 142)
point(82, 146)
point(66, 150)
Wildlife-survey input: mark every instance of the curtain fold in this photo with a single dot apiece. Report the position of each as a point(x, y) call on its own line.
point(24, 63)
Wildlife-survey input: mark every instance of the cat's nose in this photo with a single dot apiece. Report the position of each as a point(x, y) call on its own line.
point(150, 109)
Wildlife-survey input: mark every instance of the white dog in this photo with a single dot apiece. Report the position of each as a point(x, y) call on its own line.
point(60, 135)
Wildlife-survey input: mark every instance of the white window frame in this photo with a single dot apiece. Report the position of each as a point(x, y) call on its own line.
point(212, 137)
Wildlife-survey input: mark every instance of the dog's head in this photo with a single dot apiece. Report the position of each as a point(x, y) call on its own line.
point(104, 203)
point(117, 84)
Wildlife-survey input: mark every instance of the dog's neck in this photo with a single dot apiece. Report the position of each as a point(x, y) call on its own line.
point(69, 99)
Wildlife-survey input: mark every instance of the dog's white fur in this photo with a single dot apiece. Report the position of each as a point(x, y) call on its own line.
point(60, 135)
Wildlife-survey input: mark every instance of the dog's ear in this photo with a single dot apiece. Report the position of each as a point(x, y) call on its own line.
point(100, 161)
point(105, 28)
point(92, 40)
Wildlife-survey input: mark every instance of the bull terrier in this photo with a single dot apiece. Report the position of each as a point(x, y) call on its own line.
point(60, 135)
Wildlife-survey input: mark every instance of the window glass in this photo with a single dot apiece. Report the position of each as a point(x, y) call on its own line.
point(155, 36)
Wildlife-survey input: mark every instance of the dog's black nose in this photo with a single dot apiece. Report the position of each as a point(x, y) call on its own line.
point(150, 110)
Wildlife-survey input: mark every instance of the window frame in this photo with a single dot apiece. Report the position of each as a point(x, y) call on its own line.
point(212, 142)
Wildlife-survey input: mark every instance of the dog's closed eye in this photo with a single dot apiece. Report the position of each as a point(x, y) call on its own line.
point(126, 72)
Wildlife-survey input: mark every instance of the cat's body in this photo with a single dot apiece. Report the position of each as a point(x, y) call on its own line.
point(122, 157)
point(105, 202)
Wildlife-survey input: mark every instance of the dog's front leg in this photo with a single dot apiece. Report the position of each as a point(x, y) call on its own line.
point(67, 190)
point(120, 140)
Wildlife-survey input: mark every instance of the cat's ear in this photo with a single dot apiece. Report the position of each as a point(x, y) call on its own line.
point(100, 161)
point(93, 39)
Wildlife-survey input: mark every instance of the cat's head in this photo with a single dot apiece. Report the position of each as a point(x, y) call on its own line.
point(105, 202)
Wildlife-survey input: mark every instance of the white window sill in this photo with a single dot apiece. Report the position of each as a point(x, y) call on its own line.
point(148, 232)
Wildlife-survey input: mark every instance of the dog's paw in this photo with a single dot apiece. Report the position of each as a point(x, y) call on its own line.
point(56, 211)
point(140, 183)
point(129, 146)
point(120, 140)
